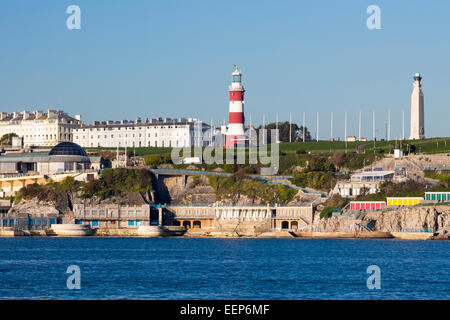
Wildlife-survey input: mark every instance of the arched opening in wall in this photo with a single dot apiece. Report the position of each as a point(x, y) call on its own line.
point(294, 225)
point(176, 223)
point(197, 224)
point(187, 224)
point(285, 225)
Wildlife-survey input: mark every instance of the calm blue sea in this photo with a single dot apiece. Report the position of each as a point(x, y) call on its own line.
point(180, 268)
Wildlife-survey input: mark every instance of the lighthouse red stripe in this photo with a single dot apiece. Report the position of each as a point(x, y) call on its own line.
point(236, 95)
point(236, 117)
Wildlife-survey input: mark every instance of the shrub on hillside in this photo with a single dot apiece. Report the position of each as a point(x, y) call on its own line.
point(116, 181)
point(315, 179)
point(336, 201)
point(230, 168)
point(326, 212)
point(320, 164)
point(255, 190)
point(156, 159)
point(390, 189)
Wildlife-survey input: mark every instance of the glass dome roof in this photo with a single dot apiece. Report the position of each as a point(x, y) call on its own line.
point(67, 149)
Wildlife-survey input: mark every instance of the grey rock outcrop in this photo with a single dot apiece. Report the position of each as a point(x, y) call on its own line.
point(436, 218)
point(34, 206)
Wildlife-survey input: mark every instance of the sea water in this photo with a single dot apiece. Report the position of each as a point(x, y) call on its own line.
point(194, 268)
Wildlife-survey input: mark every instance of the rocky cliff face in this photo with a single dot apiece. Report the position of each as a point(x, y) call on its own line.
point(37, 207)
point(411, 218)
point(184, 190)
point(127, 198)
point(197, 190)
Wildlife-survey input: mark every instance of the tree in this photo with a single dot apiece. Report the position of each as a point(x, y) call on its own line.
point(295, 131)
point(6, 139)
point(299, 134)
point(338, 159)
point(68, 184)
point(320, 164)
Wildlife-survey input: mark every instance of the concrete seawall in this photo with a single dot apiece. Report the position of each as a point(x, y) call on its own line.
point(413, 235)
point(142, 231)
point(10, 232)
point(71, 230)
point(354, 235)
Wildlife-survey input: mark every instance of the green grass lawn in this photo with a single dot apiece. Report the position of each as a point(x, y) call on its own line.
point(318, 147)
point(435, 145)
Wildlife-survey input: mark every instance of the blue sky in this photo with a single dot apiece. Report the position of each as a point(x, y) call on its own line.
point(175, 58)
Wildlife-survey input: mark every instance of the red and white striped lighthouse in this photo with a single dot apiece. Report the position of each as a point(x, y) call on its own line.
point(235, 132)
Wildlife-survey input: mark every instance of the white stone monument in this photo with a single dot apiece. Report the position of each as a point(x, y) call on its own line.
point(417, 110)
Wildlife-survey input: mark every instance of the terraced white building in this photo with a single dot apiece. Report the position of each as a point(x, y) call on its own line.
point(38, 128)
point(160, 132)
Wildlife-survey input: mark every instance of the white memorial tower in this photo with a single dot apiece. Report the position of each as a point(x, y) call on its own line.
point(417, 111)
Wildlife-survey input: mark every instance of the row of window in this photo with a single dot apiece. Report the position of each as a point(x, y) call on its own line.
point(112, 213)
point(193, 211)
point(94, 223)
point(133, 136)
point(31, 222)
point(62, 136)
point(40, 129)
point(132, 128)
point(155, 143)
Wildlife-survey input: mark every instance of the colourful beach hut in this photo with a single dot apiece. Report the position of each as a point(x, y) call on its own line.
point(437, 196)
point(367, 205)
point(403, 201)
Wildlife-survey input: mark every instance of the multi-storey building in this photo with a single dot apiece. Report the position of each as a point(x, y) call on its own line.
point(149, 133)
point(38, 128)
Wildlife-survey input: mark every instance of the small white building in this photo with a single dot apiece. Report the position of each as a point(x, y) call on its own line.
point(398, 153)
point(352, 189)
point(372, 176)
point(192, 160)
point(363, 182)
